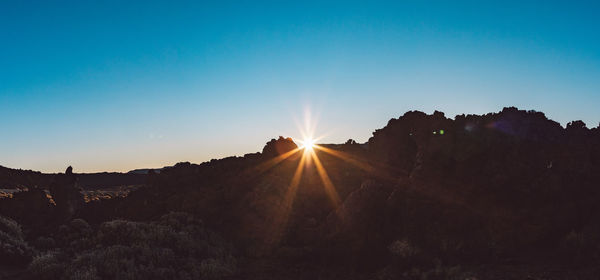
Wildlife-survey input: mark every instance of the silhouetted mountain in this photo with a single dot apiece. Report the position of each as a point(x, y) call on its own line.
point(505, 195)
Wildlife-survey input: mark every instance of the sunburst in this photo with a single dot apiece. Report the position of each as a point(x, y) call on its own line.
point(309, 147)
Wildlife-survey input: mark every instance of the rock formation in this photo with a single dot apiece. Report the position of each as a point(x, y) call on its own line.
point(277, 147)
point(66, 194)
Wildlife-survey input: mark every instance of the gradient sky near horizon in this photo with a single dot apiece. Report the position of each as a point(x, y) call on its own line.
point(119, 85)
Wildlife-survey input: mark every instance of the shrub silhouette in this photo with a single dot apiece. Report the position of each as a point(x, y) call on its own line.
point(48, 265)
point(14, 249)
point(176, 246)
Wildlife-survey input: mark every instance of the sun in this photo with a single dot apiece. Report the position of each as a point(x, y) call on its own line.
point(309, 143)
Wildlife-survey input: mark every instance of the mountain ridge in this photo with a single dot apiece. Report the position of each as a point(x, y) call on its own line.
point(424, 191)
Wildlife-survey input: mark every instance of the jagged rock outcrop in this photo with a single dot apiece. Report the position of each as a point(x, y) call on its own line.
point(277, 147)
point(509, 147)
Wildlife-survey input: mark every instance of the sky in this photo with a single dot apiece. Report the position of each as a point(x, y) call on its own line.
point(120, 85)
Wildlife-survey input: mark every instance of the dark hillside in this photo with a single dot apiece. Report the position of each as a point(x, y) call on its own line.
point(505, 195)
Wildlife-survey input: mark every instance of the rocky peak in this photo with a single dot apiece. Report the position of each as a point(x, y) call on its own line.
point(278, 146)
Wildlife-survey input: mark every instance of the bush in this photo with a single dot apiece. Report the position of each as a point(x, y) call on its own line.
point(48, 265)
point(10, 227)
point(404, 249)
point(439, 272)
point(13, 248)
point(81, 226)
point(43, 243)
point(176, 246)
point(75, 236)
point(580, 247)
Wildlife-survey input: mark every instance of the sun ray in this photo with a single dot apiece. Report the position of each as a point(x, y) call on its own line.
point(281, 218)
point(384, 172)
point(274, 161)
point(345, 157)
point(329, 187)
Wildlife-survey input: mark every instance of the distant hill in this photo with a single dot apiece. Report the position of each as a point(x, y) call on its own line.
point(18, 178)
point(145, 170)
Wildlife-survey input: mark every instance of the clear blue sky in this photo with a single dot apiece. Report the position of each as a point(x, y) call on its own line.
point(118, 85)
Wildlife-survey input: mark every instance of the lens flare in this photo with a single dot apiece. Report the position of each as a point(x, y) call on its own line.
point(309, 144)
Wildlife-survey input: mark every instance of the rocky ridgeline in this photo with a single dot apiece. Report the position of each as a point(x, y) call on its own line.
point(511, 141)
point(504, 187)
